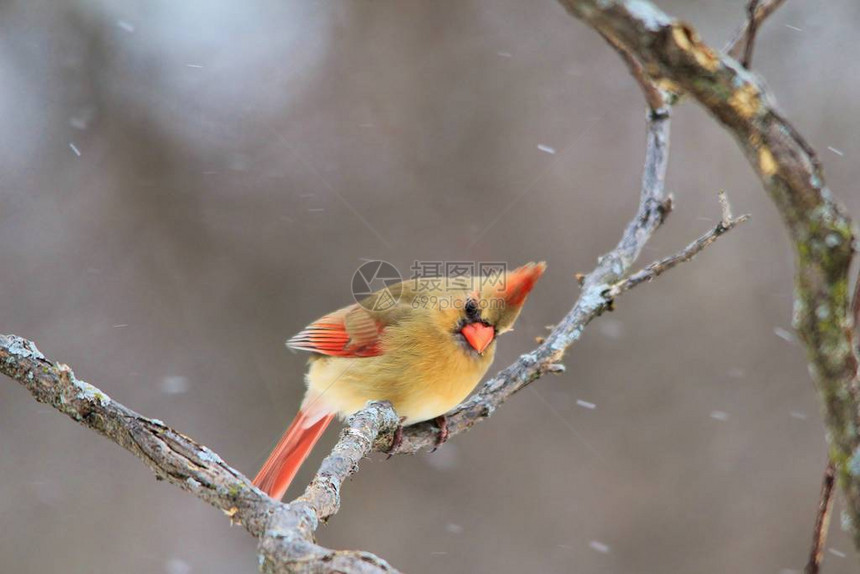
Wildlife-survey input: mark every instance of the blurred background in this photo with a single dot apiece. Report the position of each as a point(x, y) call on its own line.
point(187, 184)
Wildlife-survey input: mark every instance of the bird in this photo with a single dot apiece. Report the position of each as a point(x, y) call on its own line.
point(422, 344)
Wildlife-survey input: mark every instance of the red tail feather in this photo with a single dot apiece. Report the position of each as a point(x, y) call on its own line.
point(292, 450)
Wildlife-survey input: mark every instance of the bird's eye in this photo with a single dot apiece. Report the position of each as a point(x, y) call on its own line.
point(471, 308)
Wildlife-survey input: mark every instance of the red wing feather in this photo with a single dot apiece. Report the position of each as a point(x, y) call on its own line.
point(348, 332)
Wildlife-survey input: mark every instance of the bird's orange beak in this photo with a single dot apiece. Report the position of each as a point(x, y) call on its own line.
point(479, 335)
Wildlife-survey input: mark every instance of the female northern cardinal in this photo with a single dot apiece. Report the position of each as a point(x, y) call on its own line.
point(425, 354)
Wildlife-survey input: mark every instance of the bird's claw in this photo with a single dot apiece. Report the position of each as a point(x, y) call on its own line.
point(442, 424)
point(397, 440)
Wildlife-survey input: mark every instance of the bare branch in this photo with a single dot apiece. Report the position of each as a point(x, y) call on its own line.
point(743, 40)
point(657, 99)
point(822, 520)
point(855, 313)
point(752, 28)
point(725, 209)
point(818, 226)
point(726, 224)
point(285, 531)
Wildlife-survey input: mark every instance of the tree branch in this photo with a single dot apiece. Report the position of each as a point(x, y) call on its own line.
point(288, 543)
point(752, 29)
point(285, 531)
point(743, 40)
point(822, 521)
point(657, 99)
point(726, 224)
point(819, 228)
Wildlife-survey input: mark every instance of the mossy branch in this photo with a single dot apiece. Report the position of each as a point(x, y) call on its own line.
point(819, 228)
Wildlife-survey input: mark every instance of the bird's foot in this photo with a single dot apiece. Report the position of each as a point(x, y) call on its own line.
point(442, 424)
point(397, 440)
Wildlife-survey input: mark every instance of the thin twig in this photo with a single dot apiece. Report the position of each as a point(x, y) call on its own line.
point(855, 313)
point(822, 520)
point(744, 36)
point(657, 99)
point(725, 208)
point(726, 224)
point(752, 28)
